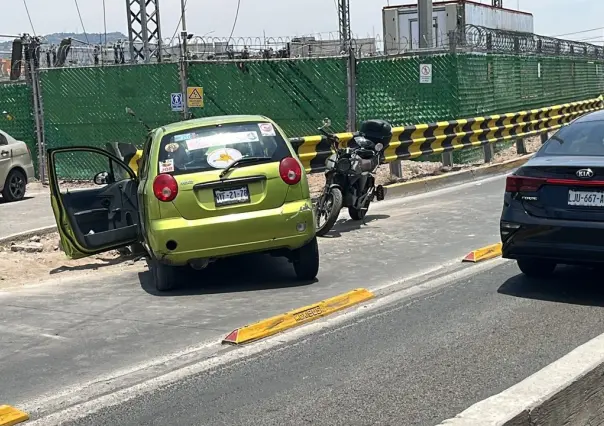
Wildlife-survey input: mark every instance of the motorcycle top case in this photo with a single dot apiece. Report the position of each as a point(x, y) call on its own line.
point(377, 131)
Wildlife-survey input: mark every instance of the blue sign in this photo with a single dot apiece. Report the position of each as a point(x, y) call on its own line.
point(176, 102)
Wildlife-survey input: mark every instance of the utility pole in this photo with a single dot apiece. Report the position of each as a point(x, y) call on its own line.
point(345, 33)
point(184, 57)
point(425, 23)
point(144, 30)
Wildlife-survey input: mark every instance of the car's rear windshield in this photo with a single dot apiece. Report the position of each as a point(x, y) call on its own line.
point(200, 149)
point(577, 139)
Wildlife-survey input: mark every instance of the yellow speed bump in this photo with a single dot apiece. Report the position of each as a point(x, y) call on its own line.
point(485, 253)
point(10, 416)
point(297, 317)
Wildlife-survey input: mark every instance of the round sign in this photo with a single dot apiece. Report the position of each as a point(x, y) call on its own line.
point(223, 157)
point(425, 70)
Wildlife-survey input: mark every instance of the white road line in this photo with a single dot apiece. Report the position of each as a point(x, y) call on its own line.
point(239, 354)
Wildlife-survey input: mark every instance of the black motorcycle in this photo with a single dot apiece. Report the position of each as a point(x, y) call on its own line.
point(350, 173)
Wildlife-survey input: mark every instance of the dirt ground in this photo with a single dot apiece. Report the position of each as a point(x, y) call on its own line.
point(20, 268)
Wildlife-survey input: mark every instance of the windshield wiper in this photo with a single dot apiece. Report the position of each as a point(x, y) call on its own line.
point(243, 161)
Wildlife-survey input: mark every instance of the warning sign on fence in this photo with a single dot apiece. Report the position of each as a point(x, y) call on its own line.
point(425, 73)
point(195, 97)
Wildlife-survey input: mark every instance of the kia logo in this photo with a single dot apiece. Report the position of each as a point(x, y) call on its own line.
point(585, 173)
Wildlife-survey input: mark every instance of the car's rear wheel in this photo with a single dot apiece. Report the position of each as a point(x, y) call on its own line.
point(164, 276)
point(14, 187)
point(306, 261)
point(536, 268)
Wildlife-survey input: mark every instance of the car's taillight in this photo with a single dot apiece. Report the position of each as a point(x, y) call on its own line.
point(165, 187)
point(523, 184)
point(290, 171)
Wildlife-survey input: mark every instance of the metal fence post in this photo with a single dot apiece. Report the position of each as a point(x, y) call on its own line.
point(352, 91)
point(489, 152)
point(520, 146)
point(544, 137)
point(447, 157)
point(39, 120)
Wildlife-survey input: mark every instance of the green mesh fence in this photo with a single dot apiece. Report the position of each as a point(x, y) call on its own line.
point(16, 99)
point(390, 89)
point(297, 94)
point(495, 84)
point(87, 106)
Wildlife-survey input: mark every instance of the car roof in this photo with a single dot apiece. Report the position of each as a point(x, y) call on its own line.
point(211, 121)
point(592, 116)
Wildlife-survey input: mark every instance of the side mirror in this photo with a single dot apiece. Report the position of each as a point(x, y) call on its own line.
point(379, 147)
point(326, 123)
point(101, 178)
point(129, 111)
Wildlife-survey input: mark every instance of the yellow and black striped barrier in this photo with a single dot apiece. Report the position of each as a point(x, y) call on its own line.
point(435, 138)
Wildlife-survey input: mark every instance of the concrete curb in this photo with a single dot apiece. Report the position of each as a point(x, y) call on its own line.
point(28, 234)
point(570, 391)
point(464, 176)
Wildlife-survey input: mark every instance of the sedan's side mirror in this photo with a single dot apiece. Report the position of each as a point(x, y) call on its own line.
point(101, 178)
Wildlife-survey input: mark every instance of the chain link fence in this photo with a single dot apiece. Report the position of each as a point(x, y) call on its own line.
point(503, 73)
point(16, 113)
point(87, 106)
point(296, 93)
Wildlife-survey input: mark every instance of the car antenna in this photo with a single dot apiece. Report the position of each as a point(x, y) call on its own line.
point(129, 111)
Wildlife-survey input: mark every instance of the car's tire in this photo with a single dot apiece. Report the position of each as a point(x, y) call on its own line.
point(164, 276)
point(536, 268)
point(306, 261)
point(15, 185)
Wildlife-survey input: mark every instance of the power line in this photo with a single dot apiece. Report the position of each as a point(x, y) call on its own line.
point(579, 32)
point(178, 25)
point(235, 22)
point(29, 17)
point(81, 21)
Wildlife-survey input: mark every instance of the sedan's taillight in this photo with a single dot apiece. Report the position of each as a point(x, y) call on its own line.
point(165, 187)
point(290, 170)
point(523, 184)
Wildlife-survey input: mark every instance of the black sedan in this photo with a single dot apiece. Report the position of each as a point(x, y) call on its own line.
point(553, 210)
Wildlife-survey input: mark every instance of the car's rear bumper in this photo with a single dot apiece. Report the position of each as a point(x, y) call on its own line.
point(564, 241)
point(229, 235)
point(30, 172)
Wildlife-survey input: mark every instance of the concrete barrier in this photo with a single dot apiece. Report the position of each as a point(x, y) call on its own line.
point(568, 392)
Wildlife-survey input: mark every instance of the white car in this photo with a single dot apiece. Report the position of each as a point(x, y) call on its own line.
point(16, 167)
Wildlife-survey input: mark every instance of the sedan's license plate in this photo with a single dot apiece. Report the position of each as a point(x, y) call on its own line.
point(225, 197)
point(584, 198)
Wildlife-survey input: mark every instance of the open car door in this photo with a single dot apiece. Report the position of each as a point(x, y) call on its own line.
point(100, 213)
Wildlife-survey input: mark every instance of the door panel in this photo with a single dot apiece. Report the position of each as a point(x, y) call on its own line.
point(97, 217)
point(5, 159)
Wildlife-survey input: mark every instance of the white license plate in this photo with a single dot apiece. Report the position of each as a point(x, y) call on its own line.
point(584, 198)
point(224, 197)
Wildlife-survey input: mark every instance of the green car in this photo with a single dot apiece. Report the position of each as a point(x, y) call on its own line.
point(205, 189)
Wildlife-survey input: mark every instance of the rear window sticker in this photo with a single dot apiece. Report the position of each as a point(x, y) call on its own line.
point(267, 129)
point(172, 147)
point(166, 166)
point(186, 136)
point(222, 158)
point(222, 139)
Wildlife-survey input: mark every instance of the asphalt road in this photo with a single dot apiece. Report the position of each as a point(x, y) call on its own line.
point(66, 340)
point(414, 362)
point(32, 212)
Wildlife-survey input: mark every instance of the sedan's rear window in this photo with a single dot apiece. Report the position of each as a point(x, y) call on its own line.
point(578, 139)
point(216, 147)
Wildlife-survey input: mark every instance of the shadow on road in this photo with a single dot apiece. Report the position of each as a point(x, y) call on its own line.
point(572, 285)
point(343, 226)
point(237, 274)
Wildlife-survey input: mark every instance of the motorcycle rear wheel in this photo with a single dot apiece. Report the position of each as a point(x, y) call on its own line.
point(335, 196)
point(358, 214)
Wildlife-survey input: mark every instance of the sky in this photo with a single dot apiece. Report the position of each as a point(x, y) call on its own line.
point(273, 18)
